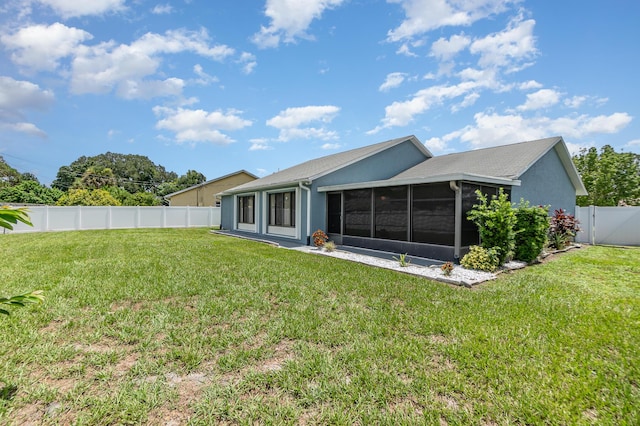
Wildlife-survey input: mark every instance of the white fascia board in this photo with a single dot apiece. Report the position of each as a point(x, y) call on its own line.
point(416, 181)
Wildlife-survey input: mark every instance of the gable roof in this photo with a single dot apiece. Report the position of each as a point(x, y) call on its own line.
point(500, 164)
point(210, 181)
point(314, 169)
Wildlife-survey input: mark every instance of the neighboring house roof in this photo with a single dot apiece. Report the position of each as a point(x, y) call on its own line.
point(500, 164)
point(314, 169)
point(209, 182)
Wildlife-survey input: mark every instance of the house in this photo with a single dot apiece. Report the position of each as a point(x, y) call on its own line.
point(396, 196)
point(206, 193)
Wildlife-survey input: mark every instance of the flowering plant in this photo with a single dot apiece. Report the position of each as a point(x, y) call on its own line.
point(447, 268)
point(319, 238)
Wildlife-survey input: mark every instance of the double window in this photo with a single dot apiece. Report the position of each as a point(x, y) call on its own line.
point(282, 209)
point(246, 209)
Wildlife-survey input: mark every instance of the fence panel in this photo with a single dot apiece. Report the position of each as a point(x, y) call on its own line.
point(609, 225)
point(56, 218)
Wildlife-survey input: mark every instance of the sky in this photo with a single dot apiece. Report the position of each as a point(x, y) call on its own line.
point(262, 85)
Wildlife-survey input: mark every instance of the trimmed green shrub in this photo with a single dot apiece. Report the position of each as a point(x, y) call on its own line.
point(481, 259)
point(532, 226)
point(496, 220)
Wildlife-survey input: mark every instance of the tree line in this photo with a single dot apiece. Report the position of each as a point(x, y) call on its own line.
point(108, 179)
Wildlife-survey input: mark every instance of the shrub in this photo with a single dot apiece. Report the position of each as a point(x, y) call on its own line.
point(447, 268)
point(330, 246)
point(563, 227)
point(532, 226)
point(403, 260)
point(496, 220)
point(481, 259)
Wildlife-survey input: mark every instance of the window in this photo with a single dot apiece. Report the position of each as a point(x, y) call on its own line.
point(434, 207)
point(282, 209)
point(246, 211)
point(357, 213)
point(391, 216)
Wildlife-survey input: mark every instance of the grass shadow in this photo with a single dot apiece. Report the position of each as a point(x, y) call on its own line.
point(7, 392)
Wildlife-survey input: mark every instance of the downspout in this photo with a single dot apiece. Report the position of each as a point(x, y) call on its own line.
point(302, 186)
point(457, 241)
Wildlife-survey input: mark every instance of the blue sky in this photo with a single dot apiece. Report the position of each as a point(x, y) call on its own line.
point(262, 85)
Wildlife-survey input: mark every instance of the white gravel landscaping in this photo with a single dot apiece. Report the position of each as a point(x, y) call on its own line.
point(459, 275)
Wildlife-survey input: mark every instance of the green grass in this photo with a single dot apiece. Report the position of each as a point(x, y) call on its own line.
point(150, 326)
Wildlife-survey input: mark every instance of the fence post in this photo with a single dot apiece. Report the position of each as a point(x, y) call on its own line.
point(188, 217)
point(592, 222)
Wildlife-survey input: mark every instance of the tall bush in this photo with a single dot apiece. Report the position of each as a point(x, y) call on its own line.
point(496, 220)
point(532, 226)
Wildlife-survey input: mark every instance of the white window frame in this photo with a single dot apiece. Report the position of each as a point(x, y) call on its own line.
point(247, 227)
point(282, 231)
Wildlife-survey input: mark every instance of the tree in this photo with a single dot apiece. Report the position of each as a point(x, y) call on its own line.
point(142, 199)
point(86, 197)
point(30, 192)
point(135, 173)
point(610, 178)
point(95, 177)
point(8, 175)
point(191, 178)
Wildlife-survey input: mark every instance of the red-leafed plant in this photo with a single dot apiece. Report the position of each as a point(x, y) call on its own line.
point(319, 238)
point(562, 228)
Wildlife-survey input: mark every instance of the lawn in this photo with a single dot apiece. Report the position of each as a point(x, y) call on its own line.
point(186, 327)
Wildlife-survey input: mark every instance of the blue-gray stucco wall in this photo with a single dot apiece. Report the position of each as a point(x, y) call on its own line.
point(226, 212)
point(547, 183)
point(381, 166)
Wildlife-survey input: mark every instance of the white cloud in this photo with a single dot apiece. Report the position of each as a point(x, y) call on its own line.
point(40, 47)
point(445, 50)
point(436, 145)
point(393, 80)
point(294, 117)
point(510, 48)
point(162, 9)
point(529, 85)
point(290, 20)
point(22, 127)
point(18, 95)
point(16, 98)
point(74, 8)
point(426, 15)
point(468, 101)
point(131, 89)
point(543, 98)
point(633, 144)
point(101, 68)
point(400, 114)
point(293, 122)
point(205, 79)
point(331, 146)
point(495, 129)
point(575, 101)
point(248, 61)
point(195, 126)
point(405, 50)
point(259, 145)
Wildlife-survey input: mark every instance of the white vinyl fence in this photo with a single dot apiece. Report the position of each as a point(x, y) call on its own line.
point(50, 218)
point(609, 225)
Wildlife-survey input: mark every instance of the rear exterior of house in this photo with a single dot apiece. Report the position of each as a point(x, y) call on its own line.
point(401, 198)
point(288, 204)
point(206, 193)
